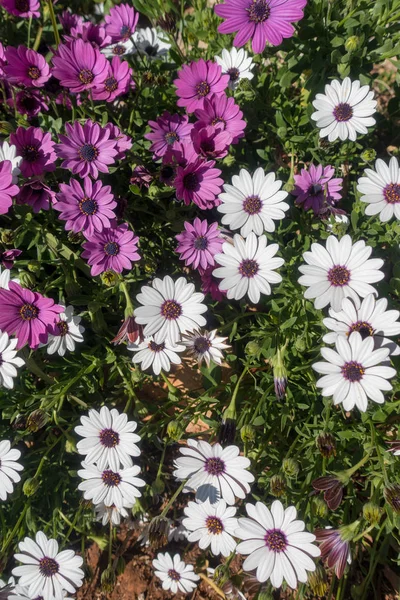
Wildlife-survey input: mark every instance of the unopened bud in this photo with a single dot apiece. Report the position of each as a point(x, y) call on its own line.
point(248, 433)
point(319, 507)
point(34, 266)
point(158, 486)
point(36, 420)
point(120, 565)
point(27, 280)
point(318, 582)
point(252, 348)
point(175, 430)
point(290, 467)
point(75, 238)
point(368, 155)
point(158, 531)
point(372, 513)
point(277, 486)
point(227, 431)
point(31, 486)
point(352, 43)
point(108, 580)
point(280, 374)
point(110, 278)
point(300, 344)
point(326, 445)
point(7, 237)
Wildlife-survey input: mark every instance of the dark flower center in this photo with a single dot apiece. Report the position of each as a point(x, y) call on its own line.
point(30, 153)
point(151, 50)
point(215, 466)
point(174, 575)
point(353, 371)
point(111, 248)
point(364, 328)
point(248, 268)
point(28, 102)
point(191, 181)
point(315, 189)
point(259, 11)
point(201, 242)
point(233, 74)
point(214, 525)
point(171, 137)
point(252, 205)
point(62, 328)
point(338, 275)
point(88, 152)
point(28, 312)
point(343, 112)
point(202, 89)
point(167, 172)
point(207, 146)
point(22, 5)
point(86, 76)
point(392, 193)
point(48, 566)
point(125, 32)
point(109, 438)
point(111, 479)
point(34, 72)
point(118, 50)
point(171, 310)
point(202, 344)
point(275, 540)
point(111, 84)
point(218, 121)
point(156, 347)
point(88, 206)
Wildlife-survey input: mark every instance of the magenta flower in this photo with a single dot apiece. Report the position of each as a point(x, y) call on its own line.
point(332, 488)
point(26, 67)
point(88, 209)
point(200, 183)
point(168, 131)
point(199, 243)
point(3, 61)
point(37, 150)
point(37, 194)
point(79, 66)
point(121, 22)
point(117, 82)
point(334, 549)
point(210, 285)
point(8, 256)
point(141, 177)
point(113, 249)
point(27, 315)
point(129, 332)
point(87, 150)
point(261, 21)
point(211, 142)
point(123, 142)
point(69, 20)
point(89, 32)
point(22, 8)
point(29, 102)
point(222, 112)
point(316, 187)
point(7, 188)
point(199, 81)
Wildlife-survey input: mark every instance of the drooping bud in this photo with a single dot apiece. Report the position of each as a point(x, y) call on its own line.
point(167, 22)
point(318, 582)
point(120, 565)
point(175, 430)
point(290, 467)
point(108, 580)
point(280, 373)
point(129, 332)
point(158, 531)
point(392, 496)
point(34, 266)
point(36, 420)
point(31, 486)
point(248, 433)
point(326, 445)
point(277, 486)
point(372, 513)
point(75, 238)
point(332, 488)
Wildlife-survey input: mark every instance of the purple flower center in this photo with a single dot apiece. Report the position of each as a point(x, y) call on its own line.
point(339, 276)
point(315, 189)
point(201, 242)
point(28, 102)
point(214, 466)
point(22, 5)
point(202, 344)
point(109, 438)
point(392, 193)
point(364, 329)
point(111, 84)
point(171, 310)
point(111, 479)
point(39, 598)
point(118, 50)
point(343, 112)
point(248, 268)
point(174, 575)
point(233, 74)
point(167, 172)
point(252, 205)
point(259, 11)
point(30, 153)
point(214, 525)
point(202, 89)
point(62, 328)
point(34, 72)
point(353, 371)
point(88, 152)
point(275, 540)
point(28, 312)
point(191, 182)
point(125, 32)
point(86, 76)
point(156, 347)
point(207, 146)
point(218, 121)
point(88, 206)
point(48, 566)
point(111, 248)
point(171, 137)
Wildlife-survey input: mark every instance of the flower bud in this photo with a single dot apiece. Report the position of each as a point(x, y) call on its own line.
point(6, 128)
point(27, 280)
point(227, 431)
point(75, 238)
point(167, 22)
point(319, 507)
point(392, 496)
point(7, 237)
point(280, 374)
point(368, 155)
point(109, 278)
point(372, 513)
point(34, 266)
point(158, 531)
point(300, 344)
point(108, 580)
point(318, 582)
point(352, 43)
point(175, 430)
point(290, 467)
point(31, 486)
point(277, 486)
point(36, 420)
point(326, 444)
point(252, 348)
point(158, 486)
point(248, 433)
point(70, 446)
point(19, 423)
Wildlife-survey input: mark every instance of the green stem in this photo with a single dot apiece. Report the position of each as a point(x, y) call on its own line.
point(360, 463)
point(378, 452)
point(110, 541)
point(360, 535)
point(29, 31)
point(230, 412)
point(14, 531)
point(53, 22)
point(160, 466)
point(129, 306)
point(172, 500)
point(171, 388)
point(38, 38)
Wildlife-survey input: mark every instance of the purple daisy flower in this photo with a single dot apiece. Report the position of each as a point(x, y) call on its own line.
point(200, 183)
point(121, 22)
point(117, 82)
point(87, 150)
point(22, 8)
point(211, 142)
point(168, 131)
point(26, 67)
point(7, 188)
point(27, 315)
point(113, 249)
point(222, 112)
point(37, 150)
point(69, 20)
point(89, 209)
point(29, 102)
point(8, 256)
point(79, 66)
point(199, 243)
point(261, 21)
point(197, 82)
point(89, 32)
point(210, 285)
point(141, 177)
point(37, 194)
point(334, 549)
point(316, 187)
point(123, 142)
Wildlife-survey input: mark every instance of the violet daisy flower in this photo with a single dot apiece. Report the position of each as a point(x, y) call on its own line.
point(261, 21)
point(89, 209)
point(222, 112)
point(198, 81)
point(86, 150)
point(79, 66)
point(27, 315)
point(117, 82)
point(200, 183)
point(7, 188)
point(89, 32)
point(26, 67)
point(69, 20)
point(210, 142)
point(168, 131)
point(29, 102)
point(199, 243)
point(316, 187)
point(37, 150)
point(22, 8)
point(37, 194)
point(113, 249)
point(121, 22)
point(334, 549)
point(123, 142)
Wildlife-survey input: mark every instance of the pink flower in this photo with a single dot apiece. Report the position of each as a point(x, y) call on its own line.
point(79, 66)
point(334, 549)
point(69, 20)
point(221, 112)
point(8, 256)
point(200, 183)
point(211, 142)
point(29, 102)
point(141, 176)
point(89, 32)
point(316, 188)
point(37, 150)
point(117, 82)
point(27, 315)
point(7, 188)
point(123, 142)
point(121, 22)
point(129, 332)
point(26, 67)
point(199, 81)
point(22, 8)
point(168, 131)
point(3, 61)
point(210, 285)
point(37, 194)
point(199, 243)
point(113, 249)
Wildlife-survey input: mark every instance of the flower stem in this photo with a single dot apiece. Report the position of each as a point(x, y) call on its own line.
point(110, 541)
point(129, 306)
point(53, 22)
point(14, 531)
point(213, 585)
point(378, 452)
point(172, 500)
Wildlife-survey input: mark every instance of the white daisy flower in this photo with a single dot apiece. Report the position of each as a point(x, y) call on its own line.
point(237, 64)
point(117, 488)
point(65, 333)
point(149, 42)
point(169, 309)
point(211, 526)
point(253, 203)
point(119, 49)
point(344, 110)
point(205, 345)
point(21, 592)
point(354, 372)
point(8, 360)
point(4, 278)
point(8, 468)
point(109, 438)
point(248, 267)
point(277, 544)
point(105, 513)
point(45, 571)
point(175, 574)
point(157, 356)
point(380, 189)
point(7, 588)
point(213, 472)
point(9, 152)
point(178, 532)
point(340, 270)
point(370, 318)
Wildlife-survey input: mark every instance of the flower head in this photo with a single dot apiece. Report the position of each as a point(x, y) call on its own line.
point(113, 487)
point(205, 346)
point(69, 20)
point(30, 102)
point(26, 67)
point(199, 243)
point(167, 131)
point(119, 49)
point(199, 182)
point(237, 64)
point(79, 66)
point(211, 142)
point(157, 356)
point(316, 187)
point(211, 526)
point(65, 333)
point(223, 113)
point(380, 190)
point(8, 360)
point(37, 194)
point(175, 574)
point(37, 150)
point(121, 22)
point(197, 82)
point(129, 332)
point(22, 8)
point(89, 32)
point(113, 249)
point(117, 83)
point(123, 142)
point(7, 188)
point(149, 42)
point(8, 465)
point(334, 549)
